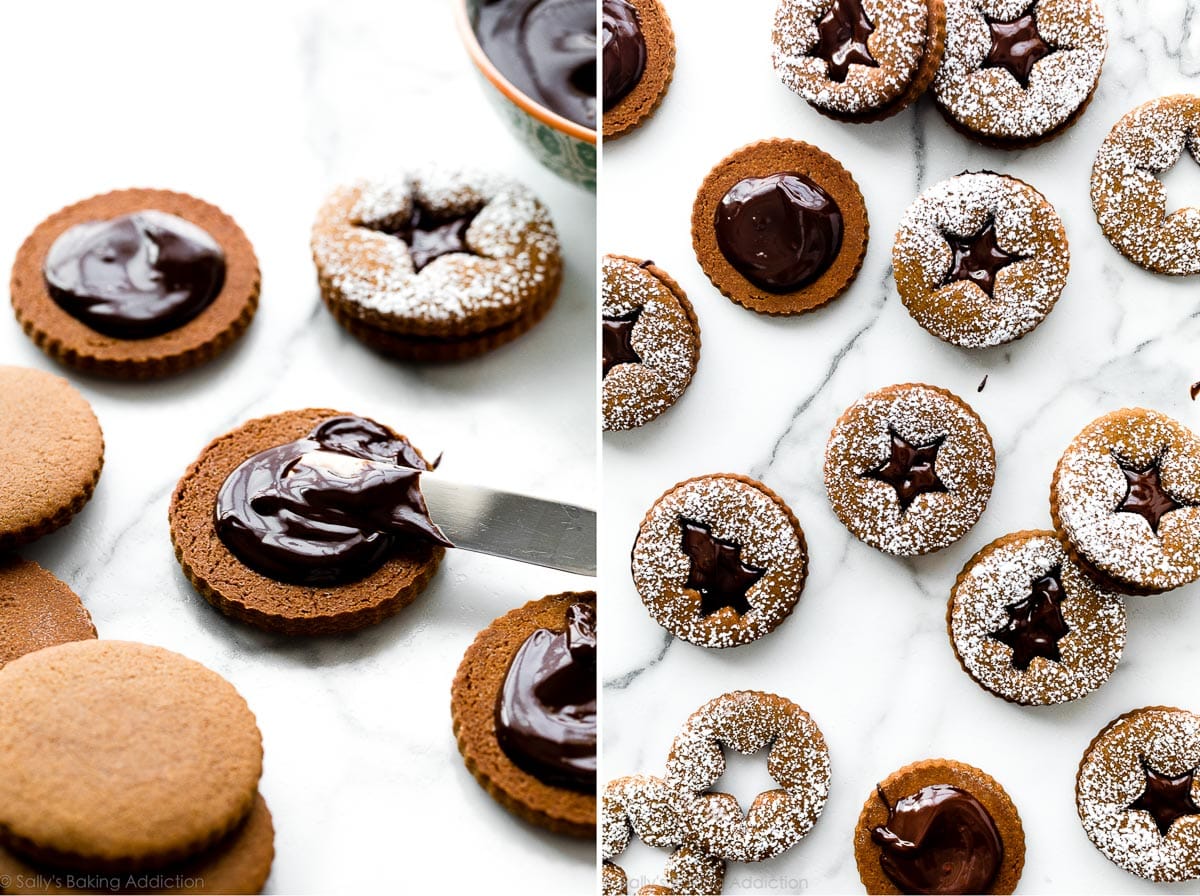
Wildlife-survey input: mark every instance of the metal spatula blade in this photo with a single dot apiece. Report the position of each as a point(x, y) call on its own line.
point(518, 527)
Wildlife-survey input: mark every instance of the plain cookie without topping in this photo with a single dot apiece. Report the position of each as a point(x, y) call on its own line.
point(37, 610)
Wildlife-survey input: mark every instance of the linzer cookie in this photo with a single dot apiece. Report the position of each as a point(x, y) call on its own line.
point(1130, 200)
point(51, 452)
point(651, 341)
point(307, 522)
point(980, 259)
point(780, 227)
point(1017, 73)
point(1029, 626)
point(523, 706)
point(1138, 793)
point(1126, 501)
point(37, 610)
point(939, 826)
point(136, 284)
point(859, 60)
point(909, 469)
point(436, 265)
point(797, 760)
point(720, 560)
point(638, 61)
point(121, 757)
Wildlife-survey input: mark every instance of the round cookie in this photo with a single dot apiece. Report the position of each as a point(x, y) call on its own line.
point(37, 610)
point(197, 340)
point(980, 259)
point(51, 455)
point(720, 560)
point(473, 700)
point(1030, 626)
point(909, 469)
point(1128, 198)
point(651, 342)
point(858, 60)
point(121, 757)
point(436, 265)
point(257, 599)
point(240, 863)
point(967, 800)
point(1018, 73)
point(780, 227)
point(1126, 501)
point(638, 62)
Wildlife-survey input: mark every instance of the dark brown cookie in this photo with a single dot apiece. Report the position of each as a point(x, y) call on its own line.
point(37, 610)
point(473, 707)
point(239, 591)
point(71, 341)
point(638, 62)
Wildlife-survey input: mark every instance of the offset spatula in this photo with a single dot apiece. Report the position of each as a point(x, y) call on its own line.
point(531, 530)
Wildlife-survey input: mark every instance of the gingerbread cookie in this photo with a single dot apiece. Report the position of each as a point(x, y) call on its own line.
point(1138, 793)
point(651, 341)
point(51, 453)
point(1131, 202)
point(436, 265)
point(720, 560)
point(909, 469)
point(780, 227)
point(980, 259)
point(1030, 626)
point(1126, 501)
point(1017, 73)
point(638, 61)
point(532, 748)
point(939, 826)
point(121, 757)
point(858, 60)
point(307, 522)
point(136, 284)
point(37, 610)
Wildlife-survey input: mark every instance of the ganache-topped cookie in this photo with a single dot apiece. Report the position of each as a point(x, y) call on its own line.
point(1029, 626)
point(436, 265)
point(136, 284)
point(939, 827)
point(1138, 793)
point(780, 227)
point(1129, 199)
point(858, 60)
point(638, 60)
point(1019, 72)
point(650, 339)
point(1126, 501)
point(720, 560)
point(980, 259)
point(909, 469)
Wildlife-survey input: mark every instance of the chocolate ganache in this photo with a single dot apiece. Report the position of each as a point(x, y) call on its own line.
point(547, 49)
point(546, 708)
point(135, 276)
point(624, 51)
point(329, 508)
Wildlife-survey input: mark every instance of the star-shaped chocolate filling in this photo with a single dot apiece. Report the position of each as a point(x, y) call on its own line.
point(430, 236)
point(1167, 798)
point(1036, 624)
point(910, 469)
point(1017, 45)
point(1145, 494)
point(842, 38)
point(978, 258)
point(717, 570)
point(617, 334)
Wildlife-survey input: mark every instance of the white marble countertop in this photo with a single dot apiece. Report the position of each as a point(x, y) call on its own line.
point(261, 108)
point(866, 651)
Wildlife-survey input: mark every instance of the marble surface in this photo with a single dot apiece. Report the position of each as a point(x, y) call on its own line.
point(261, 108)
point(866, 651)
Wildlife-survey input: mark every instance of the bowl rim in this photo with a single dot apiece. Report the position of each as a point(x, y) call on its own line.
point(501, 83)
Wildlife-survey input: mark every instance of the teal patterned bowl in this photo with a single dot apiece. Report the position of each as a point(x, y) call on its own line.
point(566, 148)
